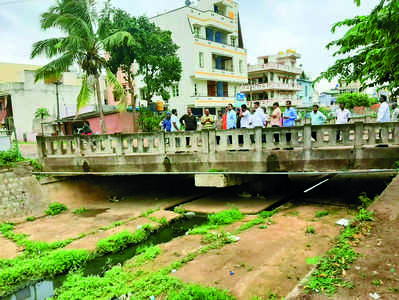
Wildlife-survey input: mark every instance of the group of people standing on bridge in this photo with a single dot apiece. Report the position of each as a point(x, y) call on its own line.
point(245, 117)
point(232, 118)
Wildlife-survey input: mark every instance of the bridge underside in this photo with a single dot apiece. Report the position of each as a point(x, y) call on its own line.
point(266, 161)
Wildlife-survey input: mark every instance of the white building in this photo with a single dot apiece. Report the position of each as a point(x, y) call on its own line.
point(20, 97)
point(273, 79)
point(211, 51)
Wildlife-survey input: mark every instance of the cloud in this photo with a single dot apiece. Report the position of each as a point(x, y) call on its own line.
point(269, 26)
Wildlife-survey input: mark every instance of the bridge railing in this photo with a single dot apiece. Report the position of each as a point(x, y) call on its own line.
point(258, 139)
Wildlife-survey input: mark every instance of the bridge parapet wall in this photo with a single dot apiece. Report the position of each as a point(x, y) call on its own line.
point(219, 149)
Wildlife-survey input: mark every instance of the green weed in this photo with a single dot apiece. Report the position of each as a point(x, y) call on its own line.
point(268, 214)
point(149, 212)
point(225, 217)
point(366, 201)
point(364, 216)
point(146, 254)
point(377, 282)
point(80, 211)
point(250, 224)
point(55, 209)
point(122, 240)
point(321, 214)
point(180, 210)
point(48, 264)
point(31, 219)
point(328, 276)
point(310, 230)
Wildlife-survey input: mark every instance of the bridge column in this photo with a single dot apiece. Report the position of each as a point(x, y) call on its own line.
point(258, 139)
point(359, 131)
point(219, 180)
point(307, 143)
point(41, 147)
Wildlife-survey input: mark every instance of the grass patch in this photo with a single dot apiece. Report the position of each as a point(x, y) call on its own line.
point(146, 254)
point(16, 271)
point(117, 283)
point(225, 217)
point(122, 240)
point(310, 230)
point(149, 212)
point(55, 209)
point(321, 214)
point(268, 214)
point(31, 219)
point(251, 224)
point(80, 211)
point(180, 210)
point(328, 277)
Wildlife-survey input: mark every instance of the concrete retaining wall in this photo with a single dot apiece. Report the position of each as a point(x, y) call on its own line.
point(20, 194)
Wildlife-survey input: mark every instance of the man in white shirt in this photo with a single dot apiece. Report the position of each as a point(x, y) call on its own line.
point(259, 117)
point(384, 114)
point(395, 113)
point(343, 117)
point(175, 121)
point(245, 117)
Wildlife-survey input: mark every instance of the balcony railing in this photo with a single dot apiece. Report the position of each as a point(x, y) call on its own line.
point(271, 86)
point(227, 46)
point(270, 102)
point(274, 67)
point(215, 19)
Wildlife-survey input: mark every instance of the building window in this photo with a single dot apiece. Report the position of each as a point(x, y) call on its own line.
point(235, 91)
point(175, 90)
point(195, 90)
point(240, 66)
point(201, 60)
point(212, 88)
point(209, 34)
point(233, 40)
point(197, 32)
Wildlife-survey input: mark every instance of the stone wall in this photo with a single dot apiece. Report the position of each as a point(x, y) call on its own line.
point(20, 194)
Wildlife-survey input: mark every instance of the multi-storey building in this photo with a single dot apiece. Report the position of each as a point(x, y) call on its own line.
point(212, 53)
point(273, 79)
point(305, 95)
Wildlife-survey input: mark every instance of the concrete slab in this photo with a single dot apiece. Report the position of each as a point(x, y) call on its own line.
point(8, 249)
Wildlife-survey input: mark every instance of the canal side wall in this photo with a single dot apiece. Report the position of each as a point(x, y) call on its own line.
point(20, 193)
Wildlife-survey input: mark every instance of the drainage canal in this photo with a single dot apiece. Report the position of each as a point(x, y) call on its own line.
point(46, 289)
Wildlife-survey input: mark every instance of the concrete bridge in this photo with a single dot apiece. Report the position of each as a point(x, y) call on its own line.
point(362, 146)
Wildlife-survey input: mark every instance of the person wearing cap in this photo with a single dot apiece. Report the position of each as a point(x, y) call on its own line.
point(167, 123)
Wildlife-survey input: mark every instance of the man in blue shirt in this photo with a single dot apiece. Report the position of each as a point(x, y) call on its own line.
point(231, 117)
point(290, 116)
point(167, 123)
point(317, 119)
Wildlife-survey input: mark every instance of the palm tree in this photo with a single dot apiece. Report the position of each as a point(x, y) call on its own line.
point(82, 45)
point(41, 113)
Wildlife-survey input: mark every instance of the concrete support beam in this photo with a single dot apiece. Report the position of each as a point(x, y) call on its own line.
point(219, 180)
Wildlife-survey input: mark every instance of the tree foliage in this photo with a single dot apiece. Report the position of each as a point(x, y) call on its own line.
point(139, 41)
point(356, 99)
point(369, 50)
point(82, 43)
point(41, 113)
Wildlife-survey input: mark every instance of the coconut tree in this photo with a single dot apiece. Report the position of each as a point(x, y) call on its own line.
point(40, 114)
point(82, 44)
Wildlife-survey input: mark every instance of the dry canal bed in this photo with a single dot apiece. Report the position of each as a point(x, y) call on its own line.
point(253, 256)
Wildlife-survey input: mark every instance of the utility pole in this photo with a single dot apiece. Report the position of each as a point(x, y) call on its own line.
point(58, 83)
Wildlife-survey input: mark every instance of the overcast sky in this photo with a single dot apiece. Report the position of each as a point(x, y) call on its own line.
point(268, 26)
